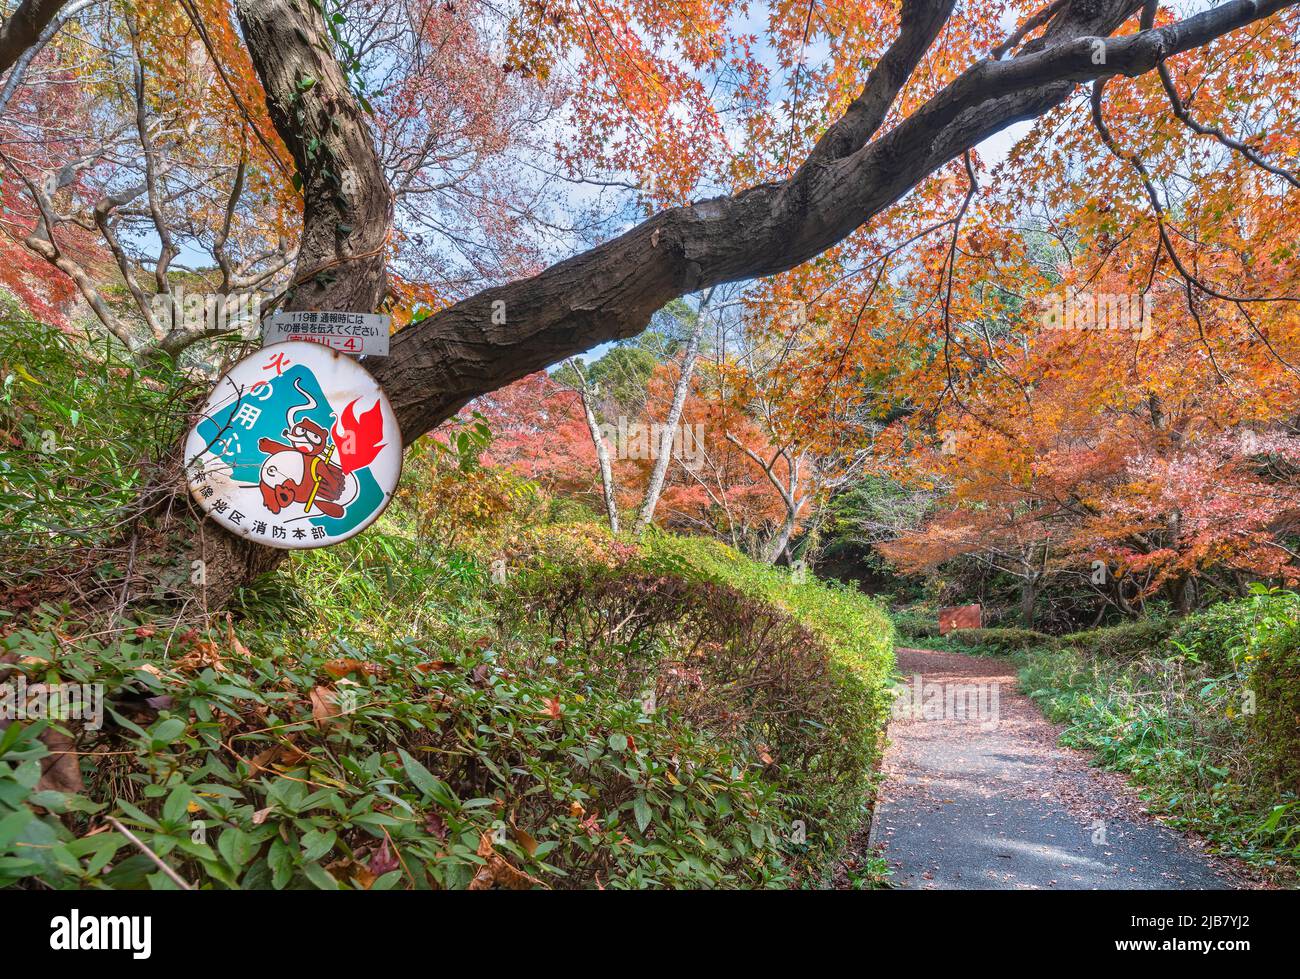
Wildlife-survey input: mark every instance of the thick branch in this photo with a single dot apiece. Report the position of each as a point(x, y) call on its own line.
point(24, 28)
point(921, 22)
point(612, 290)
point(504, 333)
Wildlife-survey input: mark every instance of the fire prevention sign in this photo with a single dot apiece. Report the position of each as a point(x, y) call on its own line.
point(297, 447)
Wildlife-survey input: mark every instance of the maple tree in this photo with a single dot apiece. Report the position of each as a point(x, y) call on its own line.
point(710, 486)
point(1130, 427)
point(867, 163)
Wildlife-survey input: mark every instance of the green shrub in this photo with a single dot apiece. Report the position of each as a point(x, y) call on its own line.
point(319, 746)
point(1183, 730)
point(1124, 641)
point(1277, 707)
point(289, 786)
point(1226, 635)
point(741, 669)
point(996, 640)
point(79, 427)
point(916, 624)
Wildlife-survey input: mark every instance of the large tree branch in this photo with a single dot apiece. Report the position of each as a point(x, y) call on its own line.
point(611, 291)
point(23, 29)
point(920, 25)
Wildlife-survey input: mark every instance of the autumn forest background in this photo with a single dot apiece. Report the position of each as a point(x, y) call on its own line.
point(630, 619)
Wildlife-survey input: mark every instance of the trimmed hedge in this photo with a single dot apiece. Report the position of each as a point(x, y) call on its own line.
point(492, 745)
point(1277, 708)
point(1124, 641)
point(794, 671)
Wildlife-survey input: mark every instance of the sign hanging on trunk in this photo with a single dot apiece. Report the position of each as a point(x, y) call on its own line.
point(297, 447)
point(352, 333)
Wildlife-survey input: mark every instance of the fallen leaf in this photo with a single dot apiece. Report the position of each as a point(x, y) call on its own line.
point(237, 647)
point(61, 770)
point(339, 668)
point(525, 840)
point(436, 826)
point(498, 872)
point(322, 707)
point(383, 861)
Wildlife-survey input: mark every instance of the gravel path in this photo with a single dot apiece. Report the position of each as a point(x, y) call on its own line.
point(984, 798)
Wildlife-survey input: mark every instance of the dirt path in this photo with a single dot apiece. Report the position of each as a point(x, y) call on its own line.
point(978, 795)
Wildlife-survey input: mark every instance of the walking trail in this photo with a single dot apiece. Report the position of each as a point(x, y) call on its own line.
point(992, 802)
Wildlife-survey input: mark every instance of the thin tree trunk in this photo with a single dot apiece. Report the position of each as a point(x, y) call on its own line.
point(656, 485)
point(793, 504)
point(1028, 598)
point(780, 540)
point(602, 451)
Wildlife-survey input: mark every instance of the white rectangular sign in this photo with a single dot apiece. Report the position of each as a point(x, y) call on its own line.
point(349, 333)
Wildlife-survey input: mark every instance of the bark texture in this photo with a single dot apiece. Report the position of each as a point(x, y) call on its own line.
point(655, 487)
point(347, 217)
point(24, 27)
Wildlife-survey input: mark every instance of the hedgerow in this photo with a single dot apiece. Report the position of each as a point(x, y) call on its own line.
point(413, 724)
point(795, 671)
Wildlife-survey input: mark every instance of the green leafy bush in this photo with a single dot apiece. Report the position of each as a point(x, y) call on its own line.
point(1229, 634)
point(741, 669)
point(916, 623)
point(1277, 709)
point(1214, 749)
point(484, 747)
point(1125, 641)
point(80, 426)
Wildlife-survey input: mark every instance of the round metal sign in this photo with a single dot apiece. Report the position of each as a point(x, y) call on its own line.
point(297, 447)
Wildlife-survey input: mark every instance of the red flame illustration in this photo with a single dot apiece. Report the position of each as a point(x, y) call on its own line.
point(358, 439)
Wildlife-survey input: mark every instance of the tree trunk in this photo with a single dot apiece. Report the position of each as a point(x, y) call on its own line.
point(660, 470)
point(347, 217)
point(780, 540)
point(607, 487)
point(1028, 598)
